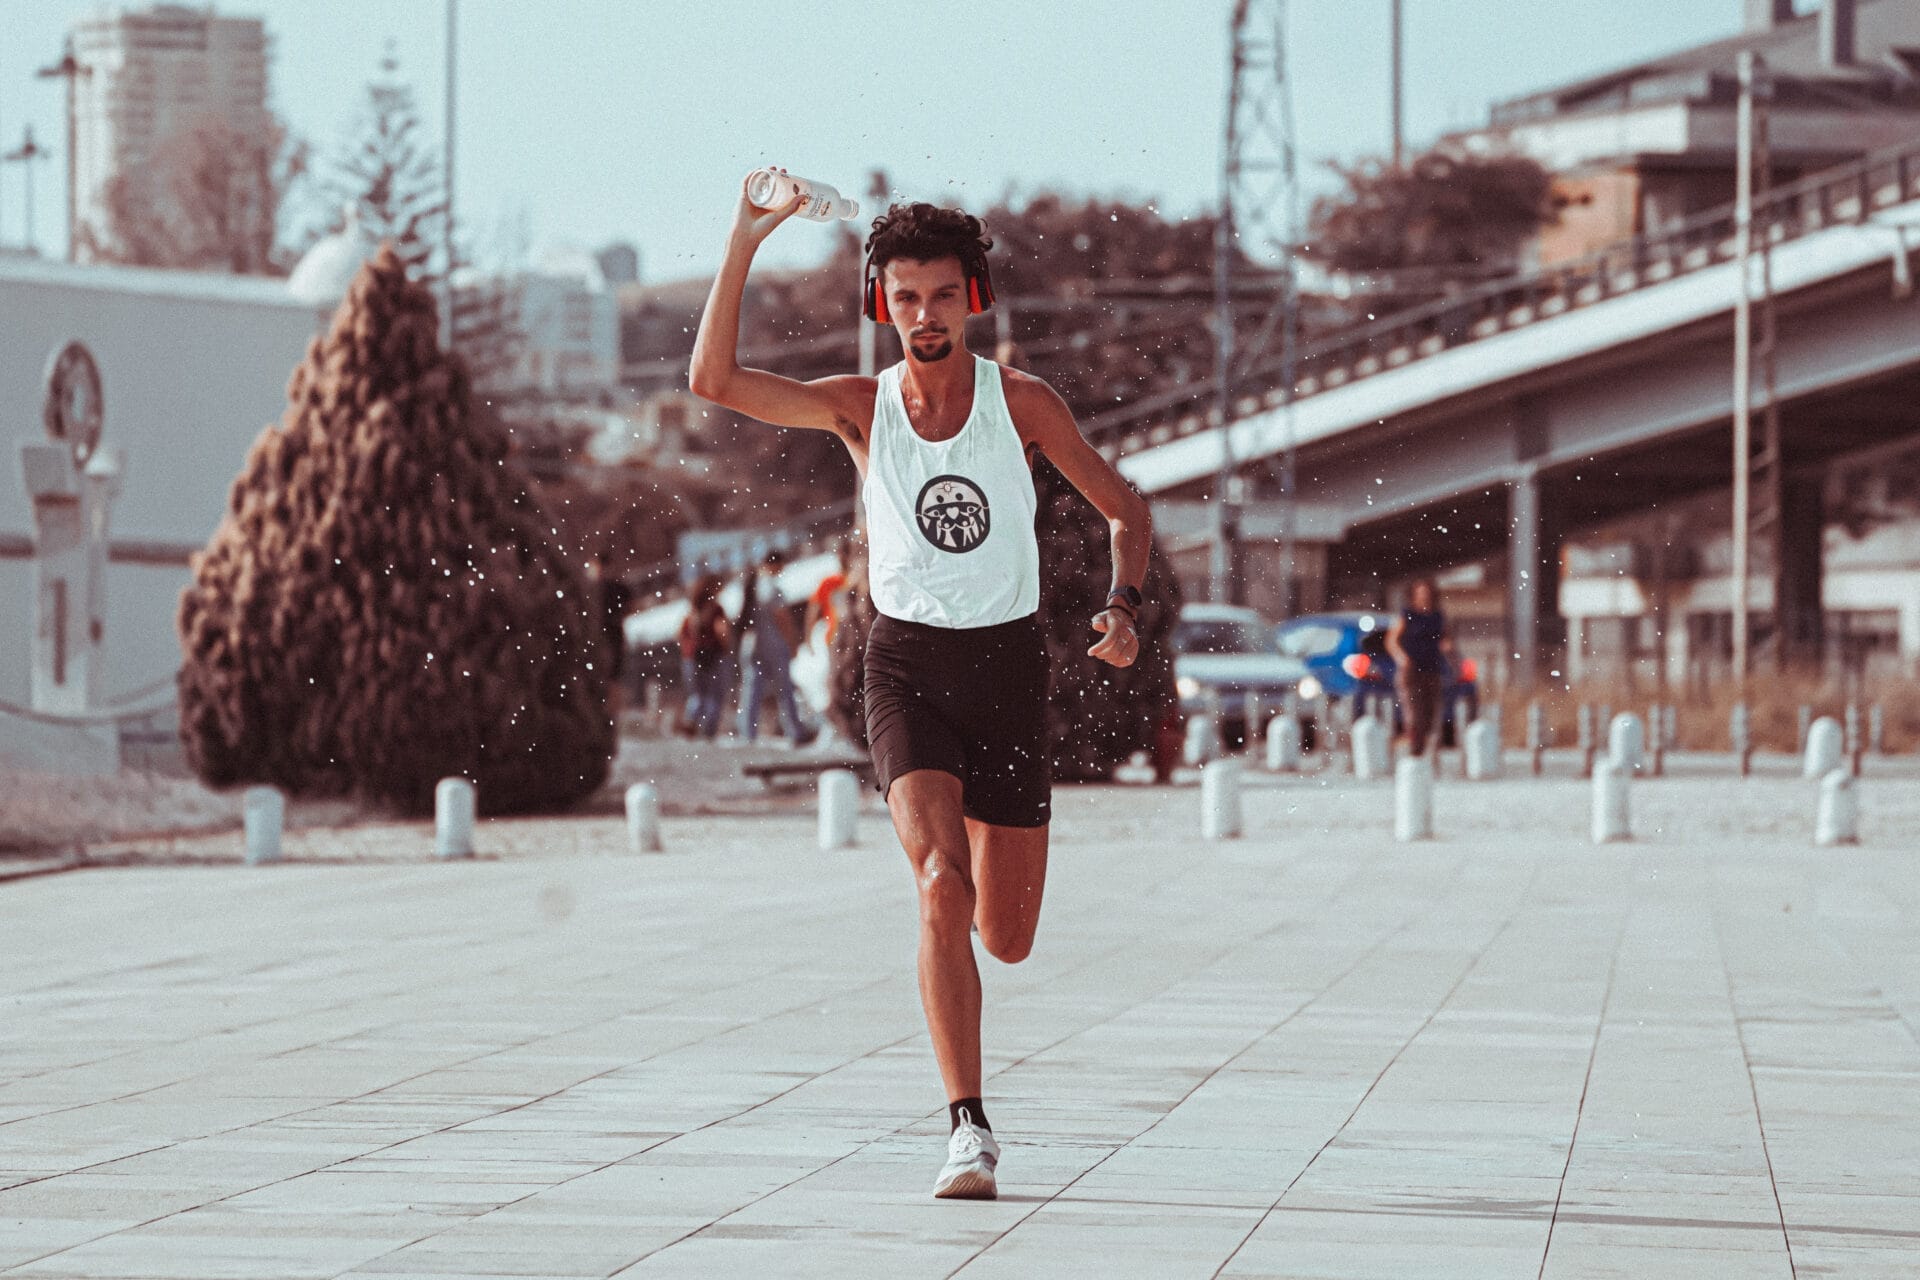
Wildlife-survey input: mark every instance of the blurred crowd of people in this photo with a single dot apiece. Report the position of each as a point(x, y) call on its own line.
point(748, 658)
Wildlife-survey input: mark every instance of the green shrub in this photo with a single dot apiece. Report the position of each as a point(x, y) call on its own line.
point(382, 606)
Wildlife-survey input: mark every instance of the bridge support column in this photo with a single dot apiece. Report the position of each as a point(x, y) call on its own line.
point(1799, 619)
point(1533, 582)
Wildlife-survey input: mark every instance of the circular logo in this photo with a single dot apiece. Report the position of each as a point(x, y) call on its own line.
point(72, 409)
point(952, 513)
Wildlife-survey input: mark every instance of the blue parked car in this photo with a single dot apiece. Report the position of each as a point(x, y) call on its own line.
point(1347, 661)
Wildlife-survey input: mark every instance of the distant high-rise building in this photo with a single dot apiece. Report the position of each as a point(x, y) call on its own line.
point(619, 264)
point(151, 73)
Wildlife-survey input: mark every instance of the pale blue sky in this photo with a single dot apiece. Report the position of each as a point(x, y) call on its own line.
point(596, 120)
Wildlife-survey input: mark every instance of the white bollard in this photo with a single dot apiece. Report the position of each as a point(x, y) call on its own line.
point(1838, 819)
point(643, 819)
point(1369, 747)
point(1609, 803)
point(1413, 799)
point(453, 819)
point(264, 810)
point(1823, 748)
point(1220, 800)
point(1283, 744)
point(1483, 750)
point(1627, 743)
point(839, 808)
point(1203, 739)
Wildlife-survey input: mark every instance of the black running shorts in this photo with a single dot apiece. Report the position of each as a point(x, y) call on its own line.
point(971, 702)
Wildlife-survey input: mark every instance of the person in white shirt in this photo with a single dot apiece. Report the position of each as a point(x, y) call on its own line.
point(956, 666)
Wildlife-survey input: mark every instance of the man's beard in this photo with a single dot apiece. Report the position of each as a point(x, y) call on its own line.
point(932, 356)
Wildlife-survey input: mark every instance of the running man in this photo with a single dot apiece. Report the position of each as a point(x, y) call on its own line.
point(956, 664)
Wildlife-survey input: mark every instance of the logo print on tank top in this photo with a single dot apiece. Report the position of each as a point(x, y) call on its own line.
point(952, 513)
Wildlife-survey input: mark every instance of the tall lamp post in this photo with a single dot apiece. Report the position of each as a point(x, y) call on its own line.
point(446, 319)
point(70, 69)
point(29, 152)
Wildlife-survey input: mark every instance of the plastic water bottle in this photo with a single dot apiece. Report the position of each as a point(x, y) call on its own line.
point(771, 189)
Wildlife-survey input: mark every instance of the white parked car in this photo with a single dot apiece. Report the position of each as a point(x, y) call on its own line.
point(1224, 652)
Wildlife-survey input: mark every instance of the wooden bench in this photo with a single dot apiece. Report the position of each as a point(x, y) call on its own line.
point(772, 772)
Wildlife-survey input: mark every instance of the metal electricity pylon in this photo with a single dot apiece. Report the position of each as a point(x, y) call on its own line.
point(1257, 231)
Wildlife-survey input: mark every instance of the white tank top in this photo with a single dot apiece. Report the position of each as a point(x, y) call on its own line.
point(950, 539)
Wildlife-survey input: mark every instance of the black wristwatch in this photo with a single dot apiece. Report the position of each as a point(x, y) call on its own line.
point(1127, 597)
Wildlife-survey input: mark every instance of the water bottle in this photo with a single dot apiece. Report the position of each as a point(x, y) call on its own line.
point(771, 189)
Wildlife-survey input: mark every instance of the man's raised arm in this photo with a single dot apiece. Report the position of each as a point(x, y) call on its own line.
point(716, 374)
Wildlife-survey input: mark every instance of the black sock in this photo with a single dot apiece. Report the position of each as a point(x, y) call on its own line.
point(975, 1113)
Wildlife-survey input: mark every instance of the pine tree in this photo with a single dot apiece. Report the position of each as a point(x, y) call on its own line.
point(392, 179)
point(381, 606)
point(396, 186)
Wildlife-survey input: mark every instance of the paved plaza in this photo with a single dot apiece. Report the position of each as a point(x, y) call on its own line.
point(1310, 1052)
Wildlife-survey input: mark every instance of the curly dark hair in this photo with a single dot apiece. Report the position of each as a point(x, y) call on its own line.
point(925, 232)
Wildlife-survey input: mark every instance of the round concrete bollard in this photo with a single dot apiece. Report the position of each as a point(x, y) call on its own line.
point(839, 808)
point(1627, 742)
point(1369, 747)
point(453, 819)
point(264, 813)
point(1203, 739)
point(1483, 750)
point(1220, 800)
point(1838, 818)
point(1823, 748)
point(1413, 799)
point(1610, 803)
point(1536, 736)
point(1283, 744)
point(643, 819)
point(1740, 736)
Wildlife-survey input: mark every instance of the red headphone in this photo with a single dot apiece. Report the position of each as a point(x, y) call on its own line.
point(873, 303)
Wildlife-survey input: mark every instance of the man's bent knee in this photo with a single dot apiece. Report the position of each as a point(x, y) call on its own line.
point(946, 896)
point(1007, 949)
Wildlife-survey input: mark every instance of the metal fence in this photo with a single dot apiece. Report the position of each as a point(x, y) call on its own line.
point(1849, 194)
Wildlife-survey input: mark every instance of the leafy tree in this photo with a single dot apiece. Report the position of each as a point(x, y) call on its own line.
point(209, 198)
point(381, 607)
point(1444, 209)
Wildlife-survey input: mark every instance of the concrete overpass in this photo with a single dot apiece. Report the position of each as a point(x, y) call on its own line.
point(1518, 415)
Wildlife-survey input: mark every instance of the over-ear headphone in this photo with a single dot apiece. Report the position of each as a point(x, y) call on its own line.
point(873, 301)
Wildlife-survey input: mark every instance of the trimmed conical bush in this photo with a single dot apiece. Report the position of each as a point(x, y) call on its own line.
point(382, 606)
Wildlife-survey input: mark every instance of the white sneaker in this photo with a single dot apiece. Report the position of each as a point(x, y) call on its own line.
point(972, 1155)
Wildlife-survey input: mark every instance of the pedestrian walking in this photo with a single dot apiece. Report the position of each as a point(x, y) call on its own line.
point(1420, 645)
point(767, 640)
point(705, 637)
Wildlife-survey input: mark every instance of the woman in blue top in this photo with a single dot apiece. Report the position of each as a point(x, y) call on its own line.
point(1419, 643)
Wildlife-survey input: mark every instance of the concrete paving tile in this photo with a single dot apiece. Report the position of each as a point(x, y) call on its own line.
point(1606, 1261)
point(710, 1065)
point(1363, 1259)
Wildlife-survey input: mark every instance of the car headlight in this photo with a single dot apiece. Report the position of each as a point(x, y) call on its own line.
point(1187, 687)
point(1309, 688)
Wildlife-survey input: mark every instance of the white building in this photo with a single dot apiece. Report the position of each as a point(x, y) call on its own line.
point(569, 328)
point(193, 368)
point(152, 73)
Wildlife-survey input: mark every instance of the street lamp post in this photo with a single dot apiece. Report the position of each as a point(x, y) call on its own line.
point(446, 320)
point(1742, 363)
point(29, 152)
point(70, 69)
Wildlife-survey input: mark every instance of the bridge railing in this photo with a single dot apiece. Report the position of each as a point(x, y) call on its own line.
point(1847, 194)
